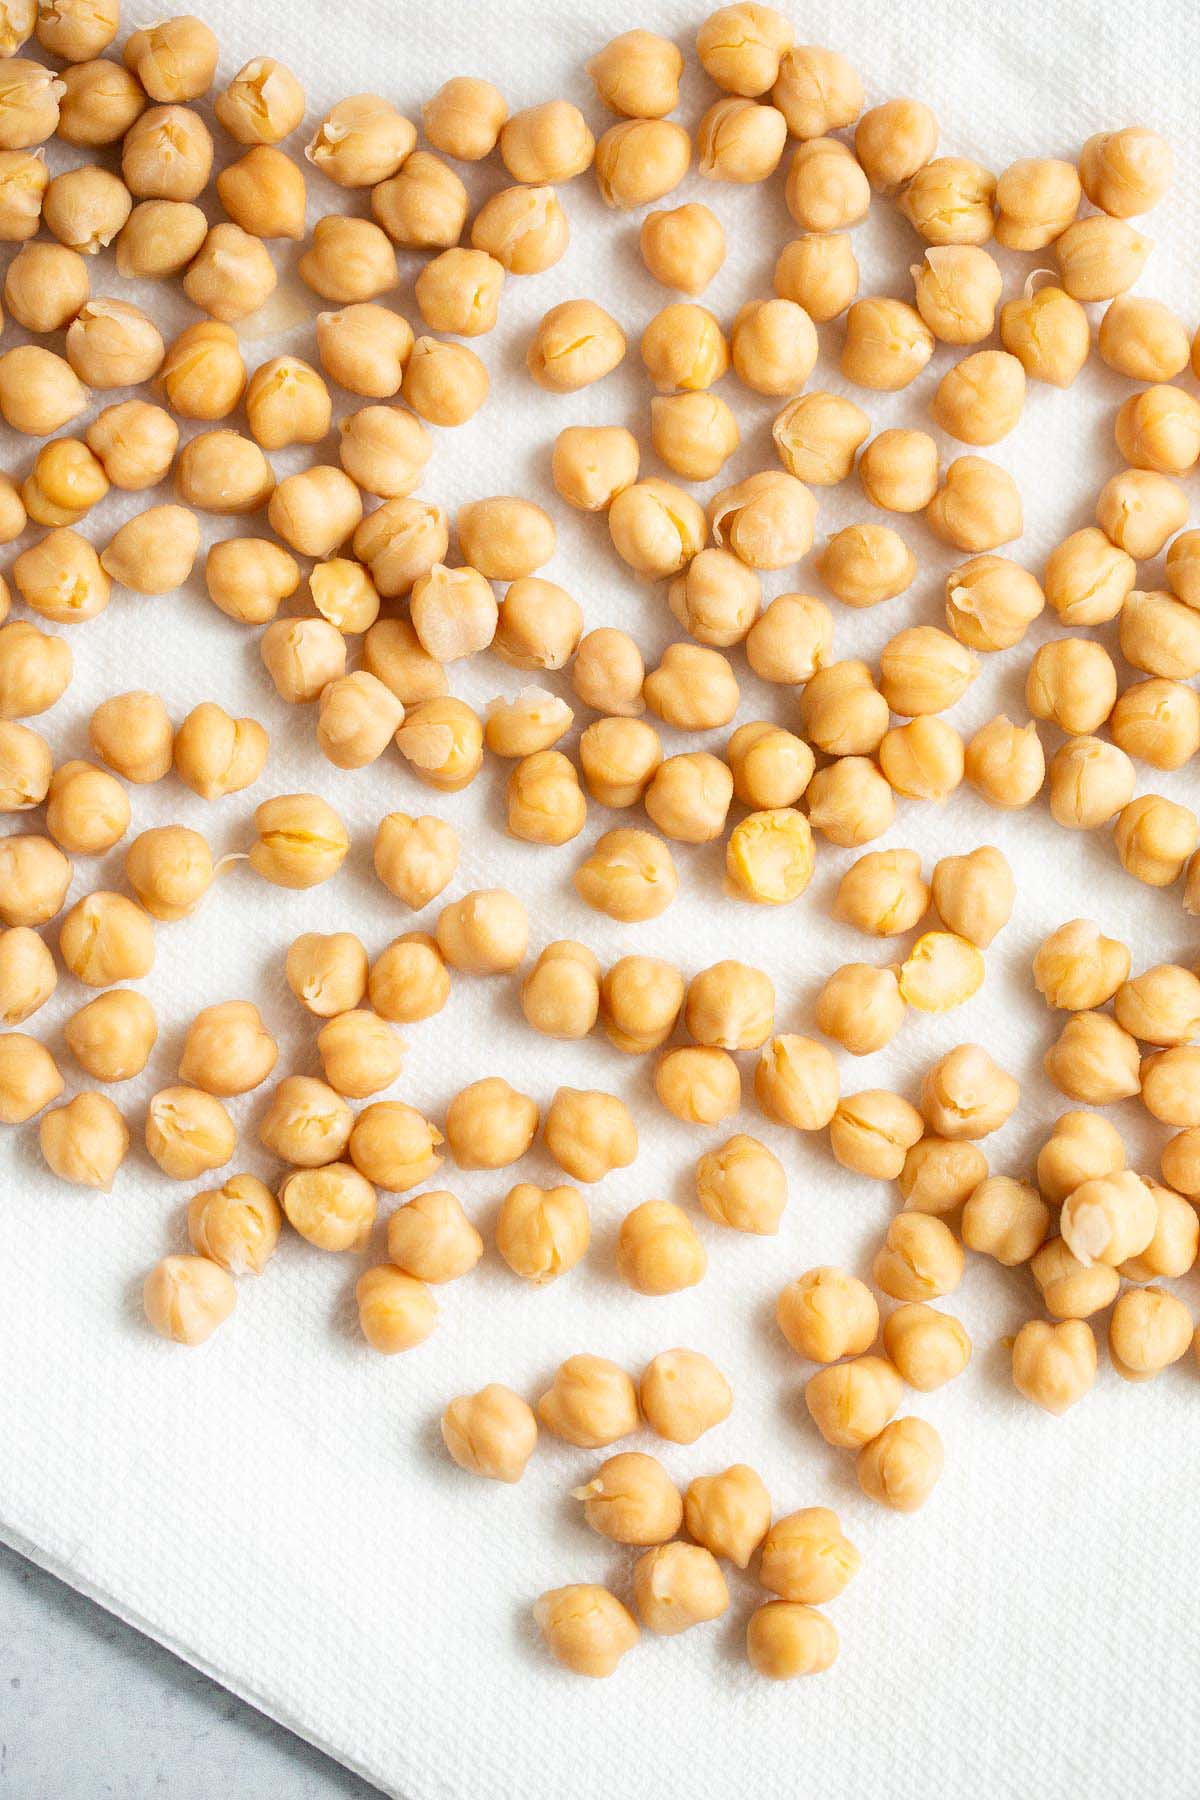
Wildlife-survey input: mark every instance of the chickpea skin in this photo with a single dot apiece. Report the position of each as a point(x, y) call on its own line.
point(492, 1433)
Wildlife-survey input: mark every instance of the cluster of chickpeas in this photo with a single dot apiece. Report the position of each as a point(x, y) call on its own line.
point(365, 593)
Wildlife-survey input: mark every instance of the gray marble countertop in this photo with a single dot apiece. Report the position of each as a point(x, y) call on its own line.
point(92, 1710)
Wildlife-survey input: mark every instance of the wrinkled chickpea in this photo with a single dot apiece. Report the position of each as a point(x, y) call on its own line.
point(1093, 1060)
point(586, 1629)
point(796, 1082)
point(188, 1133)
point(818, 435)
point(950, 200)
point(300, 841)
point(882, 893)
point(1125, 172)
point(920, 1259)
point(1048, 333)
point(525, 229)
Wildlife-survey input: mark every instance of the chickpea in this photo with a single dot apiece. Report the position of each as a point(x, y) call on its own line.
point(589, 1134)
point(899, 471)
point(1157, 721)
point(464, 117)
point(1094, 1060)
point(232, 274)
point(1125, 172)
point(365, 348)
point(740, 46)
point(332, 1208)
point(980, 399)
point(105, 939)
point(593, 464)
point(1087, 578)
point(949, 201)
point(431, 1238)
point(1054, 1365)
point(940, 1174)
point(263, 104)
point(87, 810)
point(640, 161)
point(484, 933)
point(863, 565)
point(922, 670)
point(769, 858)
point(538, 625)
point(1180, 1164)
point(851, 1402)
point(817, 90)
point(729, 1514)
point(1172, 1250)
point(402, 540)
point(29, 1078)
point(1073, 683)
point(349, 260)
point(288, 403)
point(66, 481)
point(1100, 257)
point(542, 1232)
point(264, 193)
point(415, 858)
point(26, 768)
point(560, 996)
point(826, 1314)
point(688, 797)
point(45, 285)
point(170, 870)
point(85, 209)
point(316, 510)
point(902, 1465)
point(167, 154)
point(694, 434)
point(923, 759)
point(361, 141)
point(547, 143)
point(1048, 333)
point(629, 875)
point(965, 1094)
point(24, 178)
point(360, 1054)
point(575, 344)
point(34, 878)
point(459, 291)
point(771, 767)
point(684, 247)
point(886, 346)
point(730, 1006)
point(1160, 635)
point(618, 757)
point(818, 435)
point(236, 1225)
point(850, 802)
point(632, 1500)
point(29, 96)
point(61, 578)
point(807, 1557)
point(978, 506)
point(826, 189)
point(1006, 763)
point(929, 1348)
point(188, 1133)
point(818, 272)
point(1142, 339)
point(531, 722)
point(591, 1403)
point(305, 1124)
point(872, 1133)
point(395, 1312)
point(920, 1259)
point(248, 578)
point(442, 741)
point(1081, 1147)
point(185, 1298)
point(894, 140)
point(677, 1586)
point(1076, 968)
point(1160, 1006)
point(655, 527)
point(39, 391)
point(489, 1124)
point(861, 1008)
point(300, 841)
point(409, 980)
point(974, 894)
point(1148, 1331)
point(1171, 1085)
point(1191, 893)
point(742, 1185)
point(586, 1628)
point(1090, 781)
point(796, 1082)
point(1154, 839)
point(227, 1050)
point(357, 717)
point(766, 520)
point(1005, 1219)
point(28, 976)
point(393, 1146)
point(175, 60)
point(132, 734)
point(523, 228)
point(1036, 199)
point(327, 974)
point(301, 656)
point(492, 1433)
point(1159, 428)
point(202, 376)
point(883, 893)
point(640, 1000)
point(700, 1085)
point(716, 598)
point(637, 75)
point(154, 552)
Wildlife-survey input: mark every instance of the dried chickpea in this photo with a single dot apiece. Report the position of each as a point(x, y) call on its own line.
point(560, 997)
point(87, 809)
point(658, 1251)
point(818, 435)
point(332, 1208)
point(965, 1094)
point(980, 399)
point(974, 894)
point(894, 140)
point(886, 346)
point(492, 1433)
point(464, 117)
point(484, 933)
point(1154, 838)
point(817, 90)
point(1157, 721)
point(264, 193)
point(807, 1557)
point(185, 1298)
point(851, 1402)
point(949, 201)
point(542, 1232)
point(861, 1008)
point(393, 1146)
point(683, 248)
point(188, 1133)
point(409, 980)
point(872, 1133)
point(819, 272)
point(1142, 339)
point(166, 154)
point(202, 377)
point(1048, 333)
point(28, 976)
point(771, 767)
point(850, 802)
point(590, 1403)
point(1125, 172)
point(589, 1134)
point(899, 470)
point(1082, 1146)
point(939, 1174)
point(693, 434)
point(640, 1000)
point(327, 974)
point(1005, 1219)
point(288, 403)
point(360, 141)
point(1093, 1060)
point(1036, 199)
point(442, 742)
point(883, 893)
point(586, 1629)
point(742, 1185)
point(929, 1348)
point(523, 228)
point(640, 161)
point(236, 1225)
point(920, 1259)
point(29, 1078)
point(300, 841)
point(769, 858)
point(863, 565)
point(826, 1314)
point(34, 878)
point(826, 189)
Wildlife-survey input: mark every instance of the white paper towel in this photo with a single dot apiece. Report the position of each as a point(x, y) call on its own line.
point(277, 1507)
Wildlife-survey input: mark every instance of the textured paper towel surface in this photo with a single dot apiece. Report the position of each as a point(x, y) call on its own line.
point(277, 1506)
